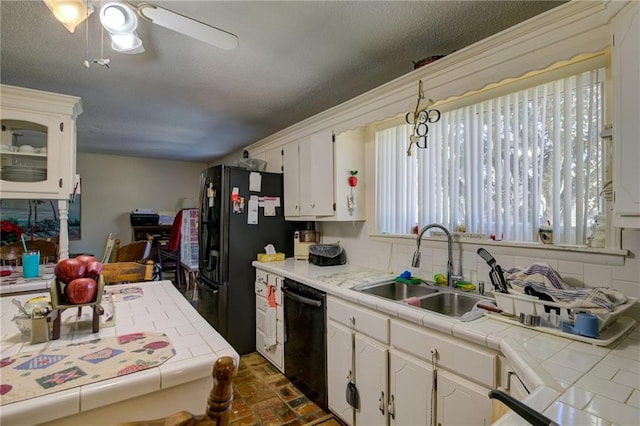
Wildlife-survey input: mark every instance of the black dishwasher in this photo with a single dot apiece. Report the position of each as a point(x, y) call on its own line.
point(305, 359)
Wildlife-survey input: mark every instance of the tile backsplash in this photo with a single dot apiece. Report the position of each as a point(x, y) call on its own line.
point(577, 269)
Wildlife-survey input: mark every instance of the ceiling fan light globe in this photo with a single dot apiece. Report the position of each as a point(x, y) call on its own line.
point(114, 17)
point(118, 18)
point(70, 12)
point(125, 42)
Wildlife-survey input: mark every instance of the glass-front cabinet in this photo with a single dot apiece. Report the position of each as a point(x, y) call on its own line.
point(38, 149)
point(29, 158)
point(37, 144)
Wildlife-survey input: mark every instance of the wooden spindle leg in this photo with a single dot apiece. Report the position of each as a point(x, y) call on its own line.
point(221, 396)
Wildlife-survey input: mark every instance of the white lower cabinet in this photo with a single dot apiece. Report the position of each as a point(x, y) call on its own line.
point(394, 371)
point(410, 386)
point(273, 353)
point(371, 331)
point(371, 376)
point(465, 373)
point(338, 366)
point(461, 402)
point(372, 381)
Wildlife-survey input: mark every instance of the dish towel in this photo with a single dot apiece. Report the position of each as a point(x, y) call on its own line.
point(270, 334)
point(540, 273)
point(543, 279)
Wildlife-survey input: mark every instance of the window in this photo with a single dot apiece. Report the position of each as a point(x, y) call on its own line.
point(503, 165)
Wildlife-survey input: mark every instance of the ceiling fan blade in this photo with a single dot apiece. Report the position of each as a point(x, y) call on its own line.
point(188, 26)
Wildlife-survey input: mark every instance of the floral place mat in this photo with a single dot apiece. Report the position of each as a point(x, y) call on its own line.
point(29, 375)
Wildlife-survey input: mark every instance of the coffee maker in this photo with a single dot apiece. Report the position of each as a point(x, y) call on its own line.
point(303, 239)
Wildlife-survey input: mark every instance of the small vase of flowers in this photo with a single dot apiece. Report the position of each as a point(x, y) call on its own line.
point(10, 232)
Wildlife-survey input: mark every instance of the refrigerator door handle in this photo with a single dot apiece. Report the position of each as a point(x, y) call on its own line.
point(302, 299)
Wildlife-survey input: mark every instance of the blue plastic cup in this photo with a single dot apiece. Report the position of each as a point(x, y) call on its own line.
point(31, 263)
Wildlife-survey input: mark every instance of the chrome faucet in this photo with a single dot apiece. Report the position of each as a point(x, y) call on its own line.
point(416, 255)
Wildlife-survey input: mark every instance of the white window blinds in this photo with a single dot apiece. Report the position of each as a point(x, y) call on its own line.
point(502, 166)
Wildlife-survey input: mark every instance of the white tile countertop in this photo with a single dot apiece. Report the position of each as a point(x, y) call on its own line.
point(16, 283)
point(162, 308)
point(574, 383)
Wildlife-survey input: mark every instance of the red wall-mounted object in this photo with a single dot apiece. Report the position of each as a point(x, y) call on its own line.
point(353, 179)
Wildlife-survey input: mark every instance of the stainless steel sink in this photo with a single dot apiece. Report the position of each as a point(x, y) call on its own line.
point(395, 290)
point(445, 301)
point(451, 303)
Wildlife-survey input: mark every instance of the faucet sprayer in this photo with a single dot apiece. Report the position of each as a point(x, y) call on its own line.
point(416, 255)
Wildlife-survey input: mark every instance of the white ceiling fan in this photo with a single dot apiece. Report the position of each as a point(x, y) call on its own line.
point(119, 18)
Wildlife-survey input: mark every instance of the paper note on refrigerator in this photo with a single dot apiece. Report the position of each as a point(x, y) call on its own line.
point(269, 206)
point(276, 201)
point(255, 182)
point(252, 217)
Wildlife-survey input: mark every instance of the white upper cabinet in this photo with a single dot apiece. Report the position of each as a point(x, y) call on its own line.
point(316, 174)
point(291, 180)
point(308, 177)
point(38, 144)
point(626, 115)
point(316, 177)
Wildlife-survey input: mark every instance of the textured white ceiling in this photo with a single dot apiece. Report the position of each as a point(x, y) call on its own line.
point(184, 99)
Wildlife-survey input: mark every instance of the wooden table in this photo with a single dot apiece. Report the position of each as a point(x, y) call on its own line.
point(190, 277)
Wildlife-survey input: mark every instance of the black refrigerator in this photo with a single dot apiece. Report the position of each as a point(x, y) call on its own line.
point(229, 238)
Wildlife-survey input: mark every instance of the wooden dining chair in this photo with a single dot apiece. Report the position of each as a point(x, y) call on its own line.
point(127, 272)
point(218, 402)
point(133, 252)
point(48, 250)
point(11, 254)
point(108, 248)
point(169, 261)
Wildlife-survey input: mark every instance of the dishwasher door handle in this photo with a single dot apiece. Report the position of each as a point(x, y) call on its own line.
point(302, 299)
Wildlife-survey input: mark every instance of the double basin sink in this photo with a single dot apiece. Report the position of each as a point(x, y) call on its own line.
point(443, 300)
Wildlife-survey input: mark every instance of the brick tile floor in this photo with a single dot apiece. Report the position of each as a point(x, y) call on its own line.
point(262, 396)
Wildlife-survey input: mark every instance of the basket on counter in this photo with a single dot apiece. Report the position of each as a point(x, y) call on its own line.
point(59, 304)
point(59, 300)
point(531, 305)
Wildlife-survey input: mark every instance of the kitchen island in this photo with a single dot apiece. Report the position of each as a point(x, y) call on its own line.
point(181, 383)
point(571, 382)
